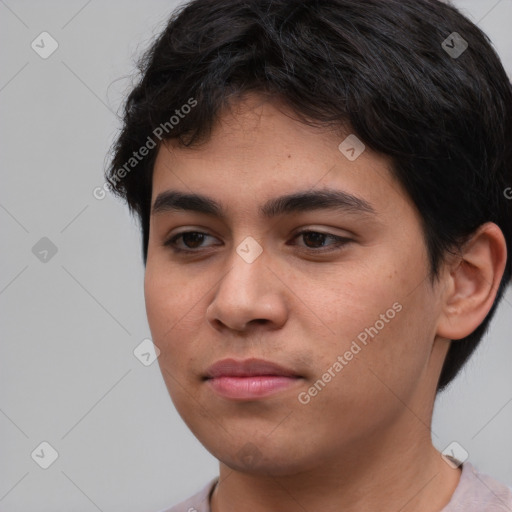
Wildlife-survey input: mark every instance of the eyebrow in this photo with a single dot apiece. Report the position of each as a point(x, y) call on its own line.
point(301, 201)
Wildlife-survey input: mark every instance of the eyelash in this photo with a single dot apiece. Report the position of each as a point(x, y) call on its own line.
point(339, 242)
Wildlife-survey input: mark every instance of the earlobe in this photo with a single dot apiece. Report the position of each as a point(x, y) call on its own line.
point(472, 282)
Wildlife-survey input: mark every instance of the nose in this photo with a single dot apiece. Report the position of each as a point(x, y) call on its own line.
point(249, 293)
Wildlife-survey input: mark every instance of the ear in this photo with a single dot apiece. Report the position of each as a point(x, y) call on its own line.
point(472, 280)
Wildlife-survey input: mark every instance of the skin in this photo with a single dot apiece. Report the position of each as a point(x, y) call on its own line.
point(364, 441)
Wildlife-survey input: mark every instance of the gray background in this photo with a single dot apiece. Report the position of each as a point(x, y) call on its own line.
point(68, 374)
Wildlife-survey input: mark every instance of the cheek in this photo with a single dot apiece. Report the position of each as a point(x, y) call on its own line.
point(168, 295)
point(175, 306)
point(166, 310)
point(388, 356)
point(359, 386)
point(157, 297)
point(381, 326)
point(350, 299)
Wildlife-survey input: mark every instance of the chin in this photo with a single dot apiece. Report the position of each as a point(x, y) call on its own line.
point(253, 459)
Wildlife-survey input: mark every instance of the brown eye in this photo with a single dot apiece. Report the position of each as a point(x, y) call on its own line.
point(314, 240)
point(192, 237)
point(191, 240)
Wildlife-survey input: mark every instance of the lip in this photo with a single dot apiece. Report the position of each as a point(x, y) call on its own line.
point(249, 379)
point(248, 368)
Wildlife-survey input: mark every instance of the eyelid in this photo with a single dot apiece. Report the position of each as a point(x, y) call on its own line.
point(171, 240)
point(339, 241)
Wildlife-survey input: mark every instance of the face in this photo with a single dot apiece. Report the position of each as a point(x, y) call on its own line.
point(332, 286)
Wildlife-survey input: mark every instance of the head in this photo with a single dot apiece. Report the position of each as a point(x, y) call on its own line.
point(245, 102)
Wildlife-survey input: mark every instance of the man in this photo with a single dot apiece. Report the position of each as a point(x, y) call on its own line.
point(322, 190)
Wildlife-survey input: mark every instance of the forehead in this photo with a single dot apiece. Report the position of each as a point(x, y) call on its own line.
point(262, 124)
point(258, 150)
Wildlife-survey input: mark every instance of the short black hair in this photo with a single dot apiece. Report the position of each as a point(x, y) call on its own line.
point(383, 68)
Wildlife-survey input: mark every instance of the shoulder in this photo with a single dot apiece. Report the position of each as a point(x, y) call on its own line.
point(199, 502)
point(479, 492)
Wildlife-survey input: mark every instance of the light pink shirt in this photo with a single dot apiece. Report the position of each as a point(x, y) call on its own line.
point(475, 492)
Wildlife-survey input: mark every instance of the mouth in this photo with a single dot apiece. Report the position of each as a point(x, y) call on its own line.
point(249, 379)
